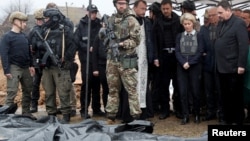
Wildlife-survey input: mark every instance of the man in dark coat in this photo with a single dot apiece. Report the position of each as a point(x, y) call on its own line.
point(166, 28)
point(81, 40)
point(231, 50)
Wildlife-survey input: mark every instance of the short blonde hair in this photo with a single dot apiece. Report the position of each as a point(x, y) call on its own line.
point(189, 17)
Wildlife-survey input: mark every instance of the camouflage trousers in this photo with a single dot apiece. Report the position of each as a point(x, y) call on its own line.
point(23, 76)
point(54, 80)
point(116, 77)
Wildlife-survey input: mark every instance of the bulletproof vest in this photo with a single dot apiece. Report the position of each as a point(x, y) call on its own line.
point(54, 39)
point(188, 44)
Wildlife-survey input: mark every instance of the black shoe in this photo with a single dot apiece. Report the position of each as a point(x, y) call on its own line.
point(184, 121)
point(163, 116)
point(30, 116)
point(99, 113)
point(73, 113)
point(197, 119)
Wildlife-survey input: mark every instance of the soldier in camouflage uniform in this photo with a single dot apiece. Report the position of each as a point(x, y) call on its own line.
point(122, 59)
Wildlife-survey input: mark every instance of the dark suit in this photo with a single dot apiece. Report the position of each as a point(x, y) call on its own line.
point(231, 50)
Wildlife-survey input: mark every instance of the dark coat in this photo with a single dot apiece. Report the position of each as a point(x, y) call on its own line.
point(231, 45)
point(208, 60)
point(149, 40)
point(99, 54)
point(81, 36)
point(158, 29)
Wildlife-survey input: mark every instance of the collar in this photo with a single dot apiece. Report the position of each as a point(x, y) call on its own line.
point(192, 32)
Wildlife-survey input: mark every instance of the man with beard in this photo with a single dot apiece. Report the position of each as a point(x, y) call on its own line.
point(122, 59)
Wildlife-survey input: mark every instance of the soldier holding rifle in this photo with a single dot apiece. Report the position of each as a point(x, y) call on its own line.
point(122, 58)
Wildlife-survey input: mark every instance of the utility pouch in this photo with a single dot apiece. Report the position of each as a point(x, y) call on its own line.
point(129, 61)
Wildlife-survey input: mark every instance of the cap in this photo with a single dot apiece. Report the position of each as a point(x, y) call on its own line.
point(188, 5)
point(92, 8)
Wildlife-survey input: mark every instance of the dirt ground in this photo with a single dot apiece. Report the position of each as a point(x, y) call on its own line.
point(170, 126)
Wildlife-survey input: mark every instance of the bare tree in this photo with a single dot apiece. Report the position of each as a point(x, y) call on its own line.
point(24, 6)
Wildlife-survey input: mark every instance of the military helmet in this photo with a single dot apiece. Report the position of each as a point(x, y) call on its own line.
point(92, 8)
point(39, 14)
point(53, 13)
point(155, 7)
point(18, 15)
point(114, 1)
point(188, 5)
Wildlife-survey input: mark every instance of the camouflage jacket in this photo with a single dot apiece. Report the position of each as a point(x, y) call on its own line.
point(127, 30)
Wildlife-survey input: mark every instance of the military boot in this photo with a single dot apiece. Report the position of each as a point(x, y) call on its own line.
point(65, 119)
point(34, 105)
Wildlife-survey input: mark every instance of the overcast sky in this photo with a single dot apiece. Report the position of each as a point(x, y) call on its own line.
point(104, 6)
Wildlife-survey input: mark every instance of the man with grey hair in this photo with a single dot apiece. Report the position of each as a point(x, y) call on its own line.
point(210, 76)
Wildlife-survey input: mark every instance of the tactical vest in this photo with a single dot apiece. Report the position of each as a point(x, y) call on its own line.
point(188, 44)
point(54, 40)
point(120, 27)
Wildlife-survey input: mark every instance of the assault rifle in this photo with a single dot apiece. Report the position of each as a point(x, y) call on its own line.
point(111, 41)
point(49, 53)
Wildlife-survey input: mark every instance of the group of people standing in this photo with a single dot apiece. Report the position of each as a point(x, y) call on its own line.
point(133, 59)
